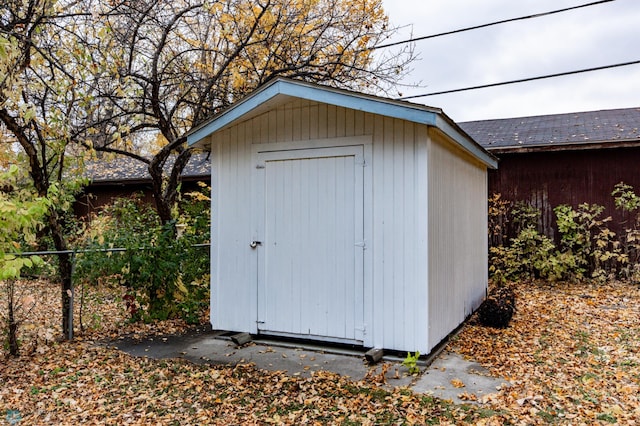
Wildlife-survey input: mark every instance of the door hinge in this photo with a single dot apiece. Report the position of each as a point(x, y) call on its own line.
point(361, 244)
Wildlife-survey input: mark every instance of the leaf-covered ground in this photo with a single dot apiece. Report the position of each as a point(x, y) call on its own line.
point(572, 354)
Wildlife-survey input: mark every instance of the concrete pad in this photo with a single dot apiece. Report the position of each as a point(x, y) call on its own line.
point(451, 376)
point(298, 359)
point(294, 359)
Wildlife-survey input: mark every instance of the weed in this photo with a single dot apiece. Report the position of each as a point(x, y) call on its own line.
point(606, 417)
point(411, 362)
point(58, 370)
point(549, 417)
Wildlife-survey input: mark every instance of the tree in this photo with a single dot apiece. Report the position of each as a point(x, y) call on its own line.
point(107, 75)
point(20, 218)
point(42, 100)
point(176, 63)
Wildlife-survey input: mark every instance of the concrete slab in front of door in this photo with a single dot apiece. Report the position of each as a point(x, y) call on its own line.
point(447, 377)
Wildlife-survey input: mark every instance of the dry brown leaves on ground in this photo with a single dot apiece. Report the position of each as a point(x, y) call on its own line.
point(572, 354)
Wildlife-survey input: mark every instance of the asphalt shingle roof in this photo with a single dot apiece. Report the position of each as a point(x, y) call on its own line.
point(123, 169)
point(537, 132)
point(615, 125)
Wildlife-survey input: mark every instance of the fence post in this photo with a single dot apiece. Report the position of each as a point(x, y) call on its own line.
point(71, 296)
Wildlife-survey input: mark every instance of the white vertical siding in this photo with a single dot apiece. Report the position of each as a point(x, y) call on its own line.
point(400, 230)
point(457, 236)
point(406, 173)
point(233, 305)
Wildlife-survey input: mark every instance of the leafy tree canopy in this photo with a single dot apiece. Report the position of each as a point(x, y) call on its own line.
point(169, 65)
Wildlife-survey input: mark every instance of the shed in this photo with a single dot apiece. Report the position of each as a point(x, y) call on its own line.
point(344, 217)
point(569, 158)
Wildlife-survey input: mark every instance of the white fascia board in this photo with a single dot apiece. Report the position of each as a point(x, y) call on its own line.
point(314, 93)
point(234, 112)
point(339, 97)
point(466, 142)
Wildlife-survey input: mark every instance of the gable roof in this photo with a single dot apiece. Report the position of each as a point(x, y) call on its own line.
point(125, 170)
point(580, 130)
point(282, 90)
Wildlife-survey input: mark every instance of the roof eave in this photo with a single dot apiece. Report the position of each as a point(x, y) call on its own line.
point(448, 126)
point(311, 92)
point(360, 102)
point(565, 146)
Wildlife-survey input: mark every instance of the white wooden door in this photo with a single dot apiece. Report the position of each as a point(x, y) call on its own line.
point(310, 257)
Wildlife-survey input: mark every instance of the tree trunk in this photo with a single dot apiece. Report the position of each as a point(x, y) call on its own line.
point(65, 270)
point(12, 335)
point(165, 191)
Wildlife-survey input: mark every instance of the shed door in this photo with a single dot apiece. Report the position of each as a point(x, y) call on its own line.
point(310, 261)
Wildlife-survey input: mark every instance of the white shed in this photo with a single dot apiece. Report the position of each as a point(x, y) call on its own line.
point(344, 217)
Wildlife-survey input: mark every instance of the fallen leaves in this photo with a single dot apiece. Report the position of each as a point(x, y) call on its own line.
point(457, 383)
point(82, 382)
point(572, 354)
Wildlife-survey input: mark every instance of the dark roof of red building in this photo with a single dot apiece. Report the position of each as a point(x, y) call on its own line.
point(129, 170)
point(558, 131)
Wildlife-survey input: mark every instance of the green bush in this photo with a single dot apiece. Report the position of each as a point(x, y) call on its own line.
point(126, 223)
point(585, 235)
point(587, 247)
point(166, 276)
point(627, 201)
point(530, 255)
point(524, 216)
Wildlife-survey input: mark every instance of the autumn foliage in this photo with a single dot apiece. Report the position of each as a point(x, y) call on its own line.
point(571, 354)
point(584, 247)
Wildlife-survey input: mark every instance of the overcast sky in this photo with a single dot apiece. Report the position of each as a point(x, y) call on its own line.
point(599, 35)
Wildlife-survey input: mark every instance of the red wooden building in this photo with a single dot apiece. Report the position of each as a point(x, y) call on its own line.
point(123, 177)
point(563, 159)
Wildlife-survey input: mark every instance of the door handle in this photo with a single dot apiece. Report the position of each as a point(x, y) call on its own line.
point(255, 244)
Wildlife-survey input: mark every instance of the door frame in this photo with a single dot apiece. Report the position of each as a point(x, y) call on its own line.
point(364, 334)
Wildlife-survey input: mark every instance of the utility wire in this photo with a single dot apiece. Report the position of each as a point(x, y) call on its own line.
point(522, 80)
point(504, 21)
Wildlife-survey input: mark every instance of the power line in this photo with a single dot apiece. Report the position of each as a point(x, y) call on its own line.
point(504, 21)
point(523, 80)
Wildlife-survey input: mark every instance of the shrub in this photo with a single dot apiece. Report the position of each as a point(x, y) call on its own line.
point(626, 200)
point(166, 276)
point(498, 219)
point(585, 235)
point(587, 247)
point(20, 218)
point(524, 216)
point(530, 255)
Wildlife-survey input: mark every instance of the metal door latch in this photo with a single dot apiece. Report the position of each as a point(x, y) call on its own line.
point(255, 244)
